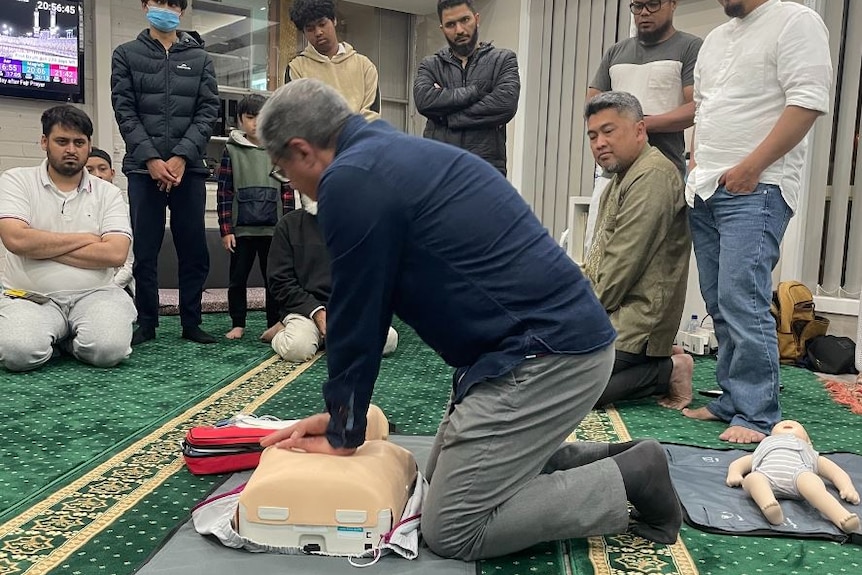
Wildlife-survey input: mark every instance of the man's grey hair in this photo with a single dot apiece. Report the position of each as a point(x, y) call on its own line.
point(624, 103)
point(304, 108)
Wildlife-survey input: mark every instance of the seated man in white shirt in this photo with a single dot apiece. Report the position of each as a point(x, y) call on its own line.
point(99, 164)
point(65, 231)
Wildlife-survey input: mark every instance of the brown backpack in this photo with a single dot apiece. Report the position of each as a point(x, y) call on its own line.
point(795, 320)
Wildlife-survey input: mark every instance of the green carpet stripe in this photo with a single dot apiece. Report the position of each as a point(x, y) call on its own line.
point(65, 418)
point(831, 426)
point(38, 540)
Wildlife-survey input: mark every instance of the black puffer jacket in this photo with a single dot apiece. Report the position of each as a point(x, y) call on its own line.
point(165, 102)
point(474, 103)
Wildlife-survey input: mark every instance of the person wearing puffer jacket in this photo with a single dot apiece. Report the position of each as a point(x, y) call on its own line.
point(165, 98)
point(468, 91)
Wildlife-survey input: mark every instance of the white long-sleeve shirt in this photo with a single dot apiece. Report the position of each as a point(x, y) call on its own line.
point(748, 71)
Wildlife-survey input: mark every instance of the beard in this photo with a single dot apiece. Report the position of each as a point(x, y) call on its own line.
point(613, 167)
point(653, 36)
point(734, 10)
point(464, 50)
point(66, 167)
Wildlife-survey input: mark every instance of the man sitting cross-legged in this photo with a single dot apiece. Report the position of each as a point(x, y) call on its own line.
point(299, 280)
point(638, 261)
point(100, 165)
point(66, 232)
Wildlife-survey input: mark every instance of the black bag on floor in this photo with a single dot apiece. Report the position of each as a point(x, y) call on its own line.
point(832, 354)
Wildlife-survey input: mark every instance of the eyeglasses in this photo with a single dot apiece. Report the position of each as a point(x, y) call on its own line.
point(651, 6)
point(277, 174)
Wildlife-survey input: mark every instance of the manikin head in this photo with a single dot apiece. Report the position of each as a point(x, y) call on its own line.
point(790, 427)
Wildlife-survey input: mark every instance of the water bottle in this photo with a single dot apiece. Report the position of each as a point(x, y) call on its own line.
point(692, 324)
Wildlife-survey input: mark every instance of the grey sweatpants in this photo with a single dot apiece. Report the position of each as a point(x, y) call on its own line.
point(95, 326)
point(496, 485)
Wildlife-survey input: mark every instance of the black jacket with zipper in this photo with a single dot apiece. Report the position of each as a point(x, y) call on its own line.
point(473, 103)
point(165, 102)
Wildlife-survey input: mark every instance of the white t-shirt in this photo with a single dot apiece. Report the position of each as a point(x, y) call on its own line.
point(96, 207)
point(748, 71)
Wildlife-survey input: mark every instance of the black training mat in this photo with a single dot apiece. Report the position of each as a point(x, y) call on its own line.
point(699, 474)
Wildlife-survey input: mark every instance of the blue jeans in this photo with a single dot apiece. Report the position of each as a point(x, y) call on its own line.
point(737, 239)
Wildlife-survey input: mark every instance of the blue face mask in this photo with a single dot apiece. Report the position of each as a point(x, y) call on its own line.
point(163, 20)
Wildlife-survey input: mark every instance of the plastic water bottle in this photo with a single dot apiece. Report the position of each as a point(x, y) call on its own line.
point(692, 324)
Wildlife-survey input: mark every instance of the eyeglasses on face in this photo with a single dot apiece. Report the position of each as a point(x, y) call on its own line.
point(651, 6)
point(277, 174)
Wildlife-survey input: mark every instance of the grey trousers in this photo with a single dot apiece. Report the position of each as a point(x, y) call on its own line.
point(501, 478)
point(94, 326)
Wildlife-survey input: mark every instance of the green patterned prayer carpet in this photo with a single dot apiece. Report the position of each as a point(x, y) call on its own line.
point(831, 427)
point(114, 504)
point(64, 418)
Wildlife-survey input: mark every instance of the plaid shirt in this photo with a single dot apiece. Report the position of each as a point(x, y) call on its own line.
point(225, 195)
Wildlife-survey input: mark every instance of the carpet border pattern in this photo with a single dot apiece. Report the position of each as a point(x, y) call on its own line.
point(627, 554)
point(42, 537)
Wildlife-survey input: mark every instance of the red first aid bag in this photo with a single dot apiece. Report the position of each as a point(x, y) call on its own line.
point(209, 450)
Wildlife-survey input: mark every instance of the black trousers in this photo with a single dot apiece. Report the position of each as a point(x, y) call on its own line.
point(636, 375)
point(187, 203)
point(241, 261)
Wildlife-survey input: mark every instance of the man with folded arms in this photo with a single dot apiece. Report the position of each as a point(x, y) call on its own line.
point(66, 232)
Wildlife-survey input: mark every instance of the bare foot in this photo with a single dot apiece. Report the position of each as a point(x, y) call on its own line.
point(679, 392)
point(739, 434)
point(700, 413)
point(267, 336)
point(676, 350)
point(850, 523)
point(773, 513)
point(235, 333)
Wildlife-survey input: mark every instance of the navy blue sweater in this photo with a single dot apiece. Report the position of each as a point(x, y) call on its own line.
point(437, 236)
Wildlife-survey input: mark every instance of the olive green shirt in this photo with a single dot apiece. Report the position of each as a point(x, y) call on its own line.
point(642, 244)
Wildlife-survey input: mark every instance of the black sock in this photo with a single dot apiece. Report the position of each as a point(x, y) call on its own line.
point(617, 448)
point(650, 491)
point(143, 333)
point(569, 456)
point(197, 335)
